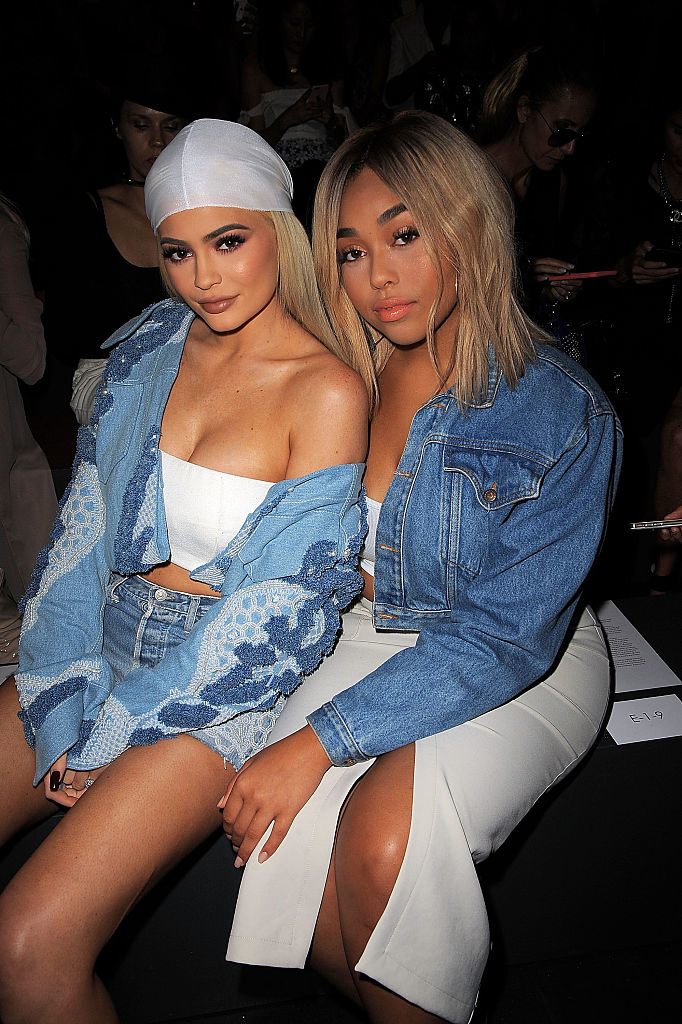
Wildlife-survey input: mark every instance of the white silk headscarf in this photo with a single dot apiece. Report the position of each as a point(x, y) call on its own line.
point(216, 163)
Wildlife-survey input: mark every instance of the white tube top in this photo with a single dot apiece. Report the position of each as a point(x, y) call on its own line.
point(204, 508)
point(368, 550)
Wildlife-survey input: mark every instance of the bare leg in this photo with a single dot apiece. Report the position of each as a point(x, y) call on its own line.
point(150, 808)
point(368, 853)
point(22, 804)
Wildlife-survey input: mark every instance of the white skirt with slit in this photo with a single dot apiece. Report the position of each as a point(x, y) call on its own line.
point(472, 785)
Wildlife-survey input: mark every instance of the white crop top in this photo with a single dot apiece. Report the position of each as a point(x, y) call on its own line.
point(368, 550)
point(204, 508)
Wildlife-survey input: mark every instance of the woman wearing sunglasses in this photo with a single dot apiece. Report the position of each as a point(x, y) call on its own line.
point(534, 112)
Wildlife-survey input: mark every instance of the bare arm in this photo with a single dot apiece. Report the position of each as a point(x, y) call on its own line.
point(331, 428)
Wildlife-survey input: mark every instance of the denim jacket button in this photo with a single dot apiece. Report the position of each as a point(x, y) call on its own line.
point(490, 494)
point(349, 762)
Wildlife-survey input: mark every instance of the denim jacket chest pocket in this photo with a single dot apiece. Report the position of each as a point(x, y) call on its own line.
point(116, 429)
point(459, 495)
point(481, 487)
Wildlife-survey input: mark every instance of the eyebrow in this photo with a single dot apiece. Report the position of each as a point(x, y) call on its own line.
point(389, 214)
point(382, 219)
point(209, 237)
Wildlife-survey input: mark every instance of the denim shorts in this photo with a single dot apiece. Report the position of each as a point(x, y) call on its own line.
point(143, 621)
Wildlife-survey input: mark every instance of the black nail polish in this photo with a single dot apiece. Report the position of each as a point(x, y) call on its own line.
point(55, 779)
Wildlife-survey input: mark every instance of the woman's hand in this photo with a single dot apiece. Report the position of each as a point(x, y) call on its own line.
point(672, 534)
point(644, 271)
point(307, 108)
point(273, 785)
point(52, 783)
point(70, 785)
point(558, 291)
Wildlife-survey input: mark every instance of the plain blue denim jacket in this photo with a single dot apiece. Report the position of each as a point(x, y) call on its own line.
point(284, 578)
point(486, 535)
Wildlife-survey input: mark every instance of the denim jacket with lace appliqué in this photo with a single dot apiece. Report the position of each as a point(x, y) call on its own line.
point(283, 580)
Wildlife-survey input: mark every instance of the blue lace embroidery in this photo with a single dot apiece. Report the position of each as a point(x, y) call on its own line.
point(47, 701)
point(289, 628)
point(130, 546)
point(85, 452)
point(146, 338)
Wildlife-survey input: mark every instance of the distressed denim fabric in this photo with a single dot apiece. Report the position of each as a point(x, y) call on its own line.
point(283, 579)
point(486, 535)
point(142, 623)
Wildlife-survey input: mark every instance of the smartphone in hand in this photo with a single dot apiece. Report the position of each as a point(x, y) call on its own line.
point(582, 275)
point(319, 93)
point(655, 524)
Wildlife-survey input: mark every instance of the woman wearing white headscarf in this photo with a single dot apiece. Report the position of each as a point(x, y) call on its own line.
point(202, 554)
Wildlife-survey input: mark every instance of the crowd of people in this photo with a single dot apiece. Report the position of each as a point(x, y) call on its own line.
point(343, 330)
point(580, 121)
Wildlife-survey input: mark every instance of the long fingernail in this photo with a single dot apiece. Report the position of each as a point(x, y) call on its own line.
point(55, 779)
point(263, 856)
point(239, 863)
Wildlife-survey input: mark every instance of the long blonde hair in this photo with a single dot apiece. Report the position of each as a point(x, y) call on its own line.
point(465, 216)
point(299, 294)
point(540, 73)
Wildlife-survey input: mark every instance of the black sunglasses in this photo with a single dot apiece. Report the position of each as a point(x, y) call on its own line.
point(560, 136)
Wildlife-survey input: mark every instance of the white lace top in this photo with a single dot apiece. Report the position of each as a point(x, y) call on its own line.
point(302, 142)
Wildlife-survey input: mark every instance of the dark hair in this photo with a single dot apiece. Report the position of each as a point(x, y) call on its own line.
point(149, 85)
point(319, 62)
point(541, 74)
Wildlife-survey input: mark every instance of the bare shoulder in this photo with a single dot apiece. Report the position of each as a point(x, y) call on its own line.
point(329, 414)
point(326, 380)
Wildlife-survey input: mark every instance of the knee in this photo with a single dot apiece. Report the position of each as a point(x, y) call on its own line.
point(368, 860)
point(16, 955)
point(29, 968)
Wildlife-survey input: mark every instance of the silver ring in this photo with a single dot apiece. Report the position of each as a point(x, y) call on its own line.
point(89, 782)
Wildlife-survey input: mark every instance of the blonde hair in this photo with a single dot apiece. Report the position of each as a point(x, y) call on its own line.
point(299, 293)
point(465, 216)
point(498, 109)
point(540, 73)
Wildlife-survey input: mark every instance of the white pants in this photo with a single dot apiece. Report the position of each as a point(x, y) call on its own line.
point(472, 785)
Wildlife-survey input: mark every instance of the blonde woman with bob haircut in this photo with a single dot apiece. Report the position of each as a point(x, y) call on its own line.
point(469, 677)
point(196, 572)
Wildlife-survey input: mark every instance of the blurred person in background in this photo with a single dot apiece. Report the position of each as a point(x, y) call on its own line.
point(114, 236)
point(27, 497)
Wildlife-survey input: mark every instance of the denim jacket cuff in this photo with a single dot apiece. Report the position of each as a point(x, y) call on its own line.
point(332, 733)
point(58, 733)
